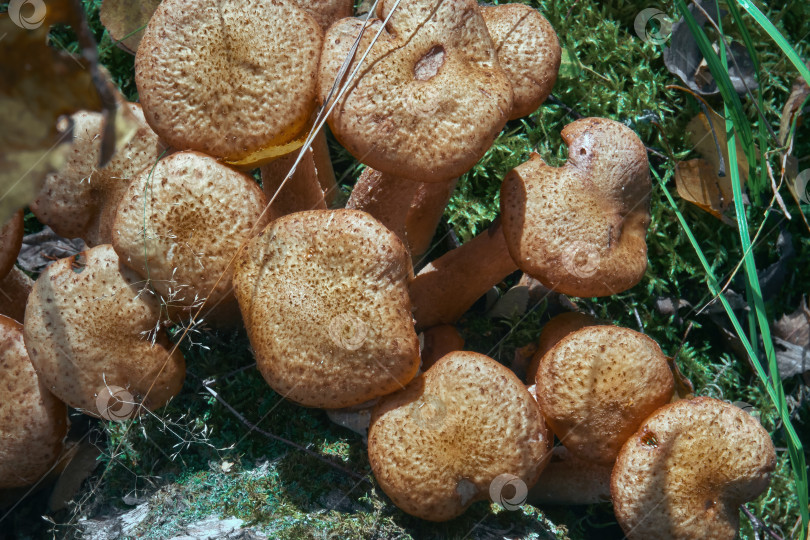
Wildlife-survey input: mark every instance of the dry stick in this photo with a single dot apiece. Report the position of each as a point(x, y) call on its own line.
point(759, 524)
point(288, 442)
point(308, 142)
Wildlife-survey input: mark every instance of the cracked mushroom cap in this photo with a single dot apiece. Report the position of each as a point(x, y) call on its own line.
point(197, 213)
point(79, 201)
point(528, 50)
point(86, 331)
point(588, 218)
point(228, 79)
point(688, 468)
point(11, 237)
point(324, 297)
point(597, 385)
point(444, 441)
point(431, 96)
point(33, 423)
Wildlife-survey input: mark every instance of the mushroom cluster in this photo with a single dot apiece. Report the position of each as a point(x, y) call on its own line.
point(328, 296)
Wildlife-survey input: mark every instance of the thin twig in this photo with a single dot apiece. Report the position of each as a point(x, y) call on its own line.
point(757, 524)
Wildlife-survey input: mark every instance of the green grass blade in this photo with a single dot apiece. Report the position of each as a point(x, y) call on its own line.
point(778, 38)
point(795, 448)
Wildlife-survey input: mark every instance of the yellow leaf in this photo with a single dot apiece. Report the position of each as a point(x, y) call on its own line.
point(698, 183)
point(700, 135)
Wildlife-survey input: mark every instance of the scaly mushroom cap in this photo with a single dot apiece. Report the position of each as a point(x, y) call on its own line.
point(85, 330)
point(597, 385)
point(326, 12)
point(33, 423)
point(431, 96)
point(11, 237)
point(228, 78)
point(197, 212)
point(688, 468)
point(528, 50)
point(580, 229)
point(324, 297)
point(553, 332)
point(439, 445)
point(80, 200)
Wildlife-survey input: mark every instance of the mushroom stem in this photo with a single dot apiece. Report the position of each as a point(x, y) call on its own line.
point(302, 191)
point(385, 197)
point(451, 284)
point(425, 213)
point(323, 167)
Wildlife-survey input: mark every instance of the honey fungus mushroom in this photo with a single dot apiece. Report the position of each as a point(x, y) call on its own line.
point(440, 444)
point(431, 97)
point(228, 79)
point(79, 200)
point(688, 468)
point(325, 301)
point(597, 385)
point(33, 422)
point(579, 229)
point(86, 330)
point(11, 237)
point(180, 224)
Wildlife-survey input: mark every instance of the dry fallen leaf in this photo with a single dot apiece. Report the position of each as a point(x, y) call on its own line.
point(38, 85)
point(792, 107)
point(126, 20)
point(700, 135)
point(698, 183)
point(795, 327)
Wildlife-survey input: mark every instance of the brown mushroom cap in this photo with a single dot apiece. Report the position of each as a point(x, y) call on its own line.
point(33, 423)
point(598, 384)
point(325, 301)
point(80, 200)
point(588, 218)
point(85, 331)
point(553, 332)
point(431, 96)
point(14, 291)
point(228, 79)
point(197, 212)
point(688, 468)
point(326, 12)
point(436, 446)
point(11, 237)
point(528, 50)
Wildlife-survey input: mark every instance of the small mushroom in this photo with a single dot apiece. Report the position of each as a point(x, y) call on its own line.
point(688, 468)
point(80, 200)
point(578, 229)
point(324, 298)
point(228, 79)
point(11, 237)
point(180, 224)
point(33, 423)
point(597, 385)
point(88, 325)
point(431, 97)
point(454, 434)
point(528, 50)
point(553, 332)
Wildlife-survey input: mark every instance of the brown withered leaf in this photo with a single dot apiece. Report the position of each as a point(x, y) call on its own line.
point(698, 183)
point(700, 135)
point(126, 20)
point(38, 86)
point(792, 107)
point(795, 327)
